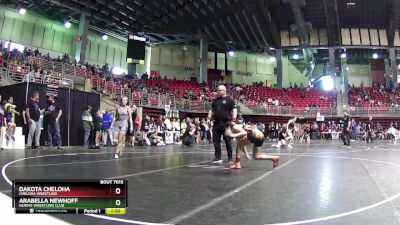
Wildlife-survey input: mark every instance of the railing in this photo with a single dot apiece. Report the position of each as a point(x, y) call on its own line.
point(324, 111)
point(107, 88)
point(3, 63)
point(160, 100)
point(55, 82)
point(69, 69)
point(127, 92)
point(3, 73)
point(58, 68)
point(21, 74)
point(292, 110)
point(136, 98)
point(374, 111)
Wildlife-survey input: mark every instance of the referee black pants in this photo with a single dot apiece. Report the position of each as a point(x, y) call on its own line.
point(369, 137)
point(219, 131)
point(346, 137)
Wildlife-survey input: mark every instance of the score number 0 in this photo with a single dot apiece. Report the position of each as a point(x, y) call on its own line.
point(117, 191)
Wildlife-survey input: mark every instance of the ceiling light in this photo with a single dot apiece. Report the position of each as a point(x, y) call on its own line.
point(272, 59)
point(105, 37)
point(375, 55)
point(231, 51)
point(351, 3)
point(343, 55)
point(22, 11)
point(295, 56)
point(347, 68)
point(67, 24)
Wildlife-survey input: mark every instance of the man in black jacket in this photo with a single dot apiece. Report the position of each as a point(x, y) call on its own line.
point(369, 129)
point(346, 129)
point(223, 111)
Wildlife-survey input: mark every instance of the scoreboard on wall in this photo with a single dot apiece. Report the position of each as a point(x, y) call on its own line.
point(107, 196)
point(135, 52)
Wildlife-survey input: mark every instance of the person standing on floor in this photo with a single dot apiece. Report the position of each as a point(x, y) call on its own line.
point(346, 129)
point(87, 121)
point(223, 112)
point(106, 127)
point(32, 114)
point(131, 133)
point(369, 129)
point(290, 131)
point(53, 113)
point(203, 130)
point(98, 127)
point(9, 113)
point(123, 116)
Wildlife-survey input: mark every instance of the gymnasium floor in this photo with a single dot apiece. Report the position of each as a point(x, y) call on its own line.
point(317, 183)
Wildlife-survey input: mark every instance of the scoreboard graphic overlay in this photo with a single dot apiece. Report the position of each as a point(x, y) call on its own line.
point(107, 196)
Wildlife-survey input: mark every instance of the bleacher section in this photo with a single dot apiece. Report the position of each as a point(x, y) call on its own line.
point(369, 96)
point(373, 100)
point(254, 96)
point(298, 98)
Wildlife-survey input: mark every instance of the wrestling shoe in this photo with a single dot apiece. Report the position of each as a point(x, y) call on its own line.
point(216, 161)
point(229, 162)
point(116, 156)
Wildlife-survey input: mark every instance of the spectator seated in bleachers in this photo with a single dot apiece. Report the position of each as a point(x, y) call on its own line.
point(375, 97)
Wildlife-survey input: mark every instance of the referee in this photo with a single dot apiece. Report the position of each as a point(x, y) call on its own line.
point(223, 111)
point(346, 129)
